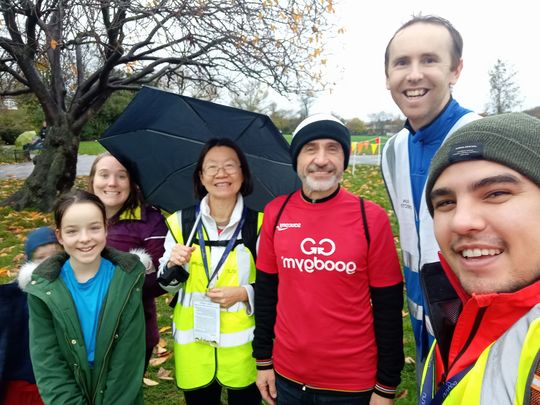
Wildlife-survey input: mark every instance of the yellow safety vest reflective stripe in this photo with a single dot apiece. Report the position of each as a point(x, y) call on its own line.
point(503, 373)
point(197, 364)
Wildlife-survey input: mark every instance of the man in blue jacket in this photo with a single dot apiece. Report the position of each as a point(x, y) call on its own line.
point(422, 63)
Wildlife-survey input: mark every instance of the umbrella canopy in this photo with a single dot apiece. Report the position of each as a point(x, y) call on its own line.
point(24, 138)
point(159, 136)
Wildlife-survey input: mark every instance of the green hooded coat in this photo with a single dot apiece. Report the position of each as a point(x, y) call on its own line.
point(57, 348)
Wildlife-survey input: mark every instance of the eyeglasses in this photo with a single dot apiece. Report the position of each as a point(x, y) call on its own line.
point(229, 168)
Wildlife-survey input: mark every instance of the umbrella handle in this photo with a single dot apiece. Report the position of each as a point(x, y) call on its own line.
point(194, 229)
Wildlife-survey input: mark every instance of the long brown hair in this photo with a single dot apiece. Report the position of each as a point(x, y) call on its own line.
point(135, 197)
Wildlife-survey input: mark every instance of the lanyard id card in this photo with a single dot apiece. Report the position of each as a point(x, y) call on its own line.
point(206, 322)
point(228, 248)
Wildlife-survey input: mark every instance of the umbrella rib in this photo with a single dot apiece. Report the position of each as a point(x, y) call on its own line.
point(168, 134)
point(266, 187)
point(245, 129)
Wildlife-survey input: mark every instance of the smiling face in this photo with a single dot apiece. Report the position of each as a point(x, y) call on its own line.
point(111, 184)
point(83, 234)
point(320, 167)
point(420, 71)
point(221, 173)
point(487, 222)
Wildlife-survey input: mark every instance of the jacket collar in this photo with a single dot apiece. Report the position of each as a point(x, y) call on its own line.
point(454, 281)
point(526, 294)
point(136, 214)
point(435, 131)
point(320, 200)
point(50, 268)
point(236, 214)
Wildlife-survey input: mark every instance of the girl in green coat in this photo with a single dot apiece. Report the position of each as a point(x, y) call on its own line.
point(87, 338)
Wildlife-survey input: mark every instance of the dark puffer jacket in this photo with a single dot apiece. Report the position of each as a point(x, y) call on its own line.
point(143, 228)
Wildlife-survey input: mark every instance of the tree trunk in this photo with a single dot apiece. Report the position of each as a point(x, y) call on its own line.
point(54, 172)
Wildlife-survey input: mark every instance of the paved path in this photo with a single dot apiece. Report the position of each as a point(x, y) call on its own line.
point(23, 170)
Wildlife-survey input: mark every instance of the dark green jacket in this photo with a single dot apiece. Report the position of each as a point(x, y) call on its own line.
point(57, 348)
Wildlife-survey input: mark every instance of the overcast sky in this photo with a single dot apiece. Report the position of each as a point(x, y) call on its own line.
point(491, 30)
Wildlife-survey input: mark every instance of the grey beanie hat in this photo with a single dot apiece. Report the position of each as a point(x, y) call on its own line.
point(512, 140)
point(320, 126)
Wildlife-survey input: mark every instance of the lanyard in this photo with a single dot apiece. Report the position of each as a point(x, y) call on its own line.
point(444, 389)
point(227, 250)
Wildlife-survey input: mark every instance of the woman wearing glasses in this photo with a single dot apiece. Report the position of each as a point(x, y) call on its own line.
point(213, 318)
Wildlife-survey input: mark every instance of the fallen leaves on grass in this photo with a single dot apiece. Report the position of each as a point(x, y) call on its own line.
point(161, 348)
point(157, 361)
point(161, 351)
point(6, 250)
point(9, 186)
point(164, 374)
point(367, 182)
point(165, 329)
point(409, 360)
point(150, 383)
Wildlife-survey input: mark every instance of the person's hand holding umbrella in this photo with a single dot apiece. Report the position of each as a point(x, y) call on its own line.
point(180, 255)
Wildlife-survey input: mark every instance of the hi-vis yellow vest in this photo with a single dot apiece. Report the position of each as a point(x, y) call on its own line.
point(503, 373)
point(197, 364)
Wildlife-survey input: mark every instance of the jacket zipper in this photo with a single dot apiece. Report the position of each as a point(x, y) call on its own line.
point(112, 340)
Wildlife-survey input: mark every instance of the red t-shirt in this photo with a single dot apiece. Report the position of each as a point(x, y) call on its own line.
point(324, 325)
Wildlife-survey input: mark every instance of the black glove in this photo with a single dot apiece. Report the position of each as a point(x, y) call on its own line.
point(173, 275)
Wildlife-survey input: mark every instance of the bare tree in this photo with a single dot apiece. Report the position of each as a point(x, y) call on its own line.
point(504, 91)
point(306, 99)
point(378, 122)
point(74, 54)
point(253, 97)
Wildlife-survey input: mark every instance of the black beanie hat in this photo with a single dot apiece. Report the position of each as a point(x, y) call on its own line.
point(512, 140)
point(320, 126)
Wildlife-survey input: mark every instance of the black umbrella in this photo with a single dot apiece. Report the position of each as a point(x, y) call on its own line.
point(160, 134)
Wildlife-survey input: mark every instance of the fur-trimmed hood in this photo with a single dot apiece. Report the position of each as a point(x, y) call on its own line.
point(145, 259)
point(25, 274)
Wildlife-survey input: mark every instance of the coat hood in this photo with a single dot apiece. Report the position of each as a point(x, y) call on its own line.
point(145, 259)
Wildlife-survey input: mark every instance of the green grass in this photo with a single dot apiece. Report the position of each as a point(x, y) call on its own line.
point(10, 154)
point(90, 148)
point(14, 226)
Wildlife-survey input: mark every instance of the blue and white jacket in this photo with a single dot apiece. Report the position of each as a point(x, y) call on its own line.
point(417, 239)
